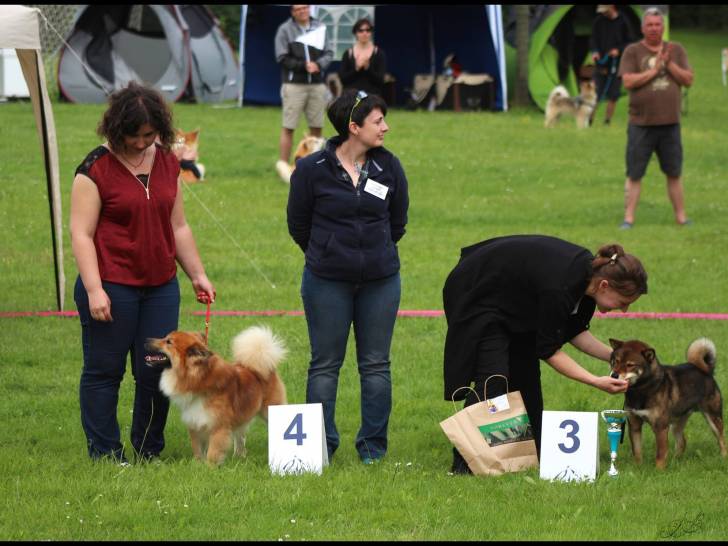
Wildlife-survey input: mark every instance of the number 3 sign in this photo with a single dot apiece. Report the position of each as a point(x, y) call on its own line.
point(569, 445)
point(296, 439)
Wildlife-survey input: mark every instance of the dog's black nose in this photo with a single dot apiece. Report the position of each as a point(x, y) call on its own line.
point(614, 375)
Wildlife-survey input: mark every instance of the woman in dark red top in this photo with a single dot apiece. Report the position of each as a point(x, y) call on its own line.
point(127, 230)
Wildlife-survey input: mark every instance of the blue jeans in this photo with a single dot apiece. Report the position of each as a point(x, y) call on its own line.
point(138, 313)
point(331, 307)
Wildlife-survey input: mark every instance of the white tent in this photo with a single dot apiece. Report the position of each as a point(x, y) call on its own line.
point(20, 30)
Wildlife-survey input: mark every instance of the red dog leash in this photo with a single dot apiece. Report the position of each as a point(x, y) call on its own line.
point(202, 297)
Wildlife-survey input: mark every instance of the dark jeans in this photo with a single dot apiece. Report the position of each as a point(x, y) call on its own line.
point(331, 307)
point(138, 313)
point(511, 355)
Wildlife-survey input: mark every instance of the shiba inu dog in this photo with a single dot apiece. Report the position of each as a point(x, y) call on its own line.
point(581, 107)
point(218, 400)
point(665, 396)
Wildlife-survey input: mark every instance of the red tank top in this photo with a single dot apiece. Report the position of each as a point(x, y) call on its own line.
point(134, 238)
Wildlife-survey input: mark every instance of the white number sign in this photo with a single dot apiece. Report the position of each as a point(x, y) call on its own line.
point(296, 439)
point(569, 445)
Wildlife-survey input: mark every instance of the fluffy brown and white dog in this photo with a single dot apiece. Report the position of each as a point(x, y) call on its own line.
point(308, 145)
point(218, 400)
point(581, 107)
point(665, 396)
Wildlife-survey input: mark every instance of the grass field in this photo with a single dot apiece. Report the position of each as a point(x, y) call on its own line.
point(472, 176)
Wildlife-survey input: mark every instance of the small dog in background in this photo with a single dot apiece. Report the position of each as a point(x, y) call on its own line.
point(218, 400)
point(665, 396)
point(185, 148)
point(308, 145)
point(581, 107)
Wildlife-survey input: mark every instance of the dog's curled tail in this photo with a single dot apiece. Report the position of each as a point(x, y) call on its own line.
point(702, 355)
point(259, 348)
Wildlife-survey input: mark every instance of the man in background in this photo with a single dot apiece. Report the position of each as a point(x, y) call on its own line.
point(610, 35)
point(654, 71)
point(302, 82)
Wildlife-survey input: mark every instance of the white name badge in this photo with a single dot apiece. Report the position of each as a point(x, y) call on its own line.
point(569, 445)
point(296, 439)
point(375, 188)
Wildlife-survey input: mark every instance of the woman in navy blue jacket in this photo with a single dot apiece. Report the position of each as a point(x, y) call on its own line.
point(347, 209)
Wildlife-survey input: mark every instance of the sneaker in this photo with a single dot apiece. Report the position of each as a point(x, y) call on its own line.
point(687, 222)
point(626, 225)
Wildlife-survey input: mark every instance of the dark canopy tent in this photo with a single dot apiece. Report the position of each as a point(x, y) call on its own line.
point(416, 38)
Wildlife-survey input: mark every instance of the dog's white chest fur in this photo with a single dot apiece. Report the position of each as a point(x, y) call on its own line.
point(194, 413)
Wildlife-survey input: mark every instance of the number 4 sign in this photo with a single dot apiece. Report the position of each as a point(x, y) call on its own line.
point(296, 439)
point(569, 445)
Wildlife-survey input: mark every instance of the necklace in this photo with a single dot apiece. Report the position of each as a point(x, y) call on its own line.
point(144, 156)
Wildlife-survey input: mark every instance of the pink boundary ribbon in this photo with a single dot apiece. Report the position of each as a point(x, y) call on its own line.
point(402, 313)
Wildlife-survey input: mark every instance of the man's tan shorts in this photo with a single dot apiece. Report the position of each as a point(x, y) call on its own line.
point(303, 97)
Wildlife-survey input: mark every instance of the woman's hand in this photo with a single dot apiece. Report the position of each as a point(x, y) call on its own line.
point(203, 289)
point(99, 305)
point(610, 385)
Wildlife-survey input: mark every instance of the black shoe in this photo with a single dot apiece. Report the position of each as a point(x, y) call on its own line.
point(459, 466)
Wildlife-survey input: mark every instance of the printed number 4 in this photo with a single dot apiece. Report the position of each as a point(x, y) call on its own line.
point(572, 434)
point(295, 430)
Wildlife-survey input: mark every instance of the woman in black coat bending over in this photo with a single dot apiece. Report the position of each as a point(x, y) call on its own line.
point(512, 301)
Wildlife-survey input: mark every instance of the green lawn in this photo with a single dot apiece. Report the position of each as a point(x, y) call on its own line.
point(472, 176)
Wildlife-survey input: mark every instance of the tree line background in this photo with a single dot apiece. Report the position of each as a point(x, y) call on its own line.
point(705, 16)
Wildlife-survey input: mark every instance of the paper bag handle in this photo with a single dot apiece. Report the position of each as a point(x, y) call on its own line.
point(485, 385)
point(459, 388)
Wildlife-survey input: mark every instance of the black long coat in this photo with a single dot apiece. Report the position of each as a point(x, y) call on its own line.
point(530, 284)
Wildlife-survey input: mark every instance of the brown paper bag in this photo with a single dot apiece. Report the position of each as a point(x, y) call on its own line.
point(494, 436)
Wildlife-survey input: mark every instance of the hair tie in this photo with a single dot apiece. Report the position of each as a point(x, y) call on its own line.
point(613, 259)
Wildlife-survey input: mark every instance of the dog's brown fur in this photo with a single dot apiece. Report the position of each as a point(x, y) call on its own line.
point(218, 400)
point(186, 146)
point(308, 145)
point(581, 107)
point(665, 396)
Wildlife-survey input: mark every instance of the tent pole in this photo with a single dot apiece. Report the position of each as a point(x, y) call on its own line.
point(47, 134)
point(494, 15)
point(241, 54)
point(433, 70)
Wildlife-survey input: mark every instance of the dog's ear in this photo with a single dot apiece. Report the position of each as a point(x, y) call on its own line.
point(198, 350)
point(649, 354)
point(615, 343)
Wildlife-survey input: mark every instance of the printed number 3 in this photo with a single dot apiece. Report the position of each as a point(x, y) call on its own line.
point(295, 430)
point(574, 429)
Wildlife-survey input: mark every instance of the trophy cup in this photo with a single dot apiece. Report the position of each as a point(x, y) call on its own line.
point(615, 420)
